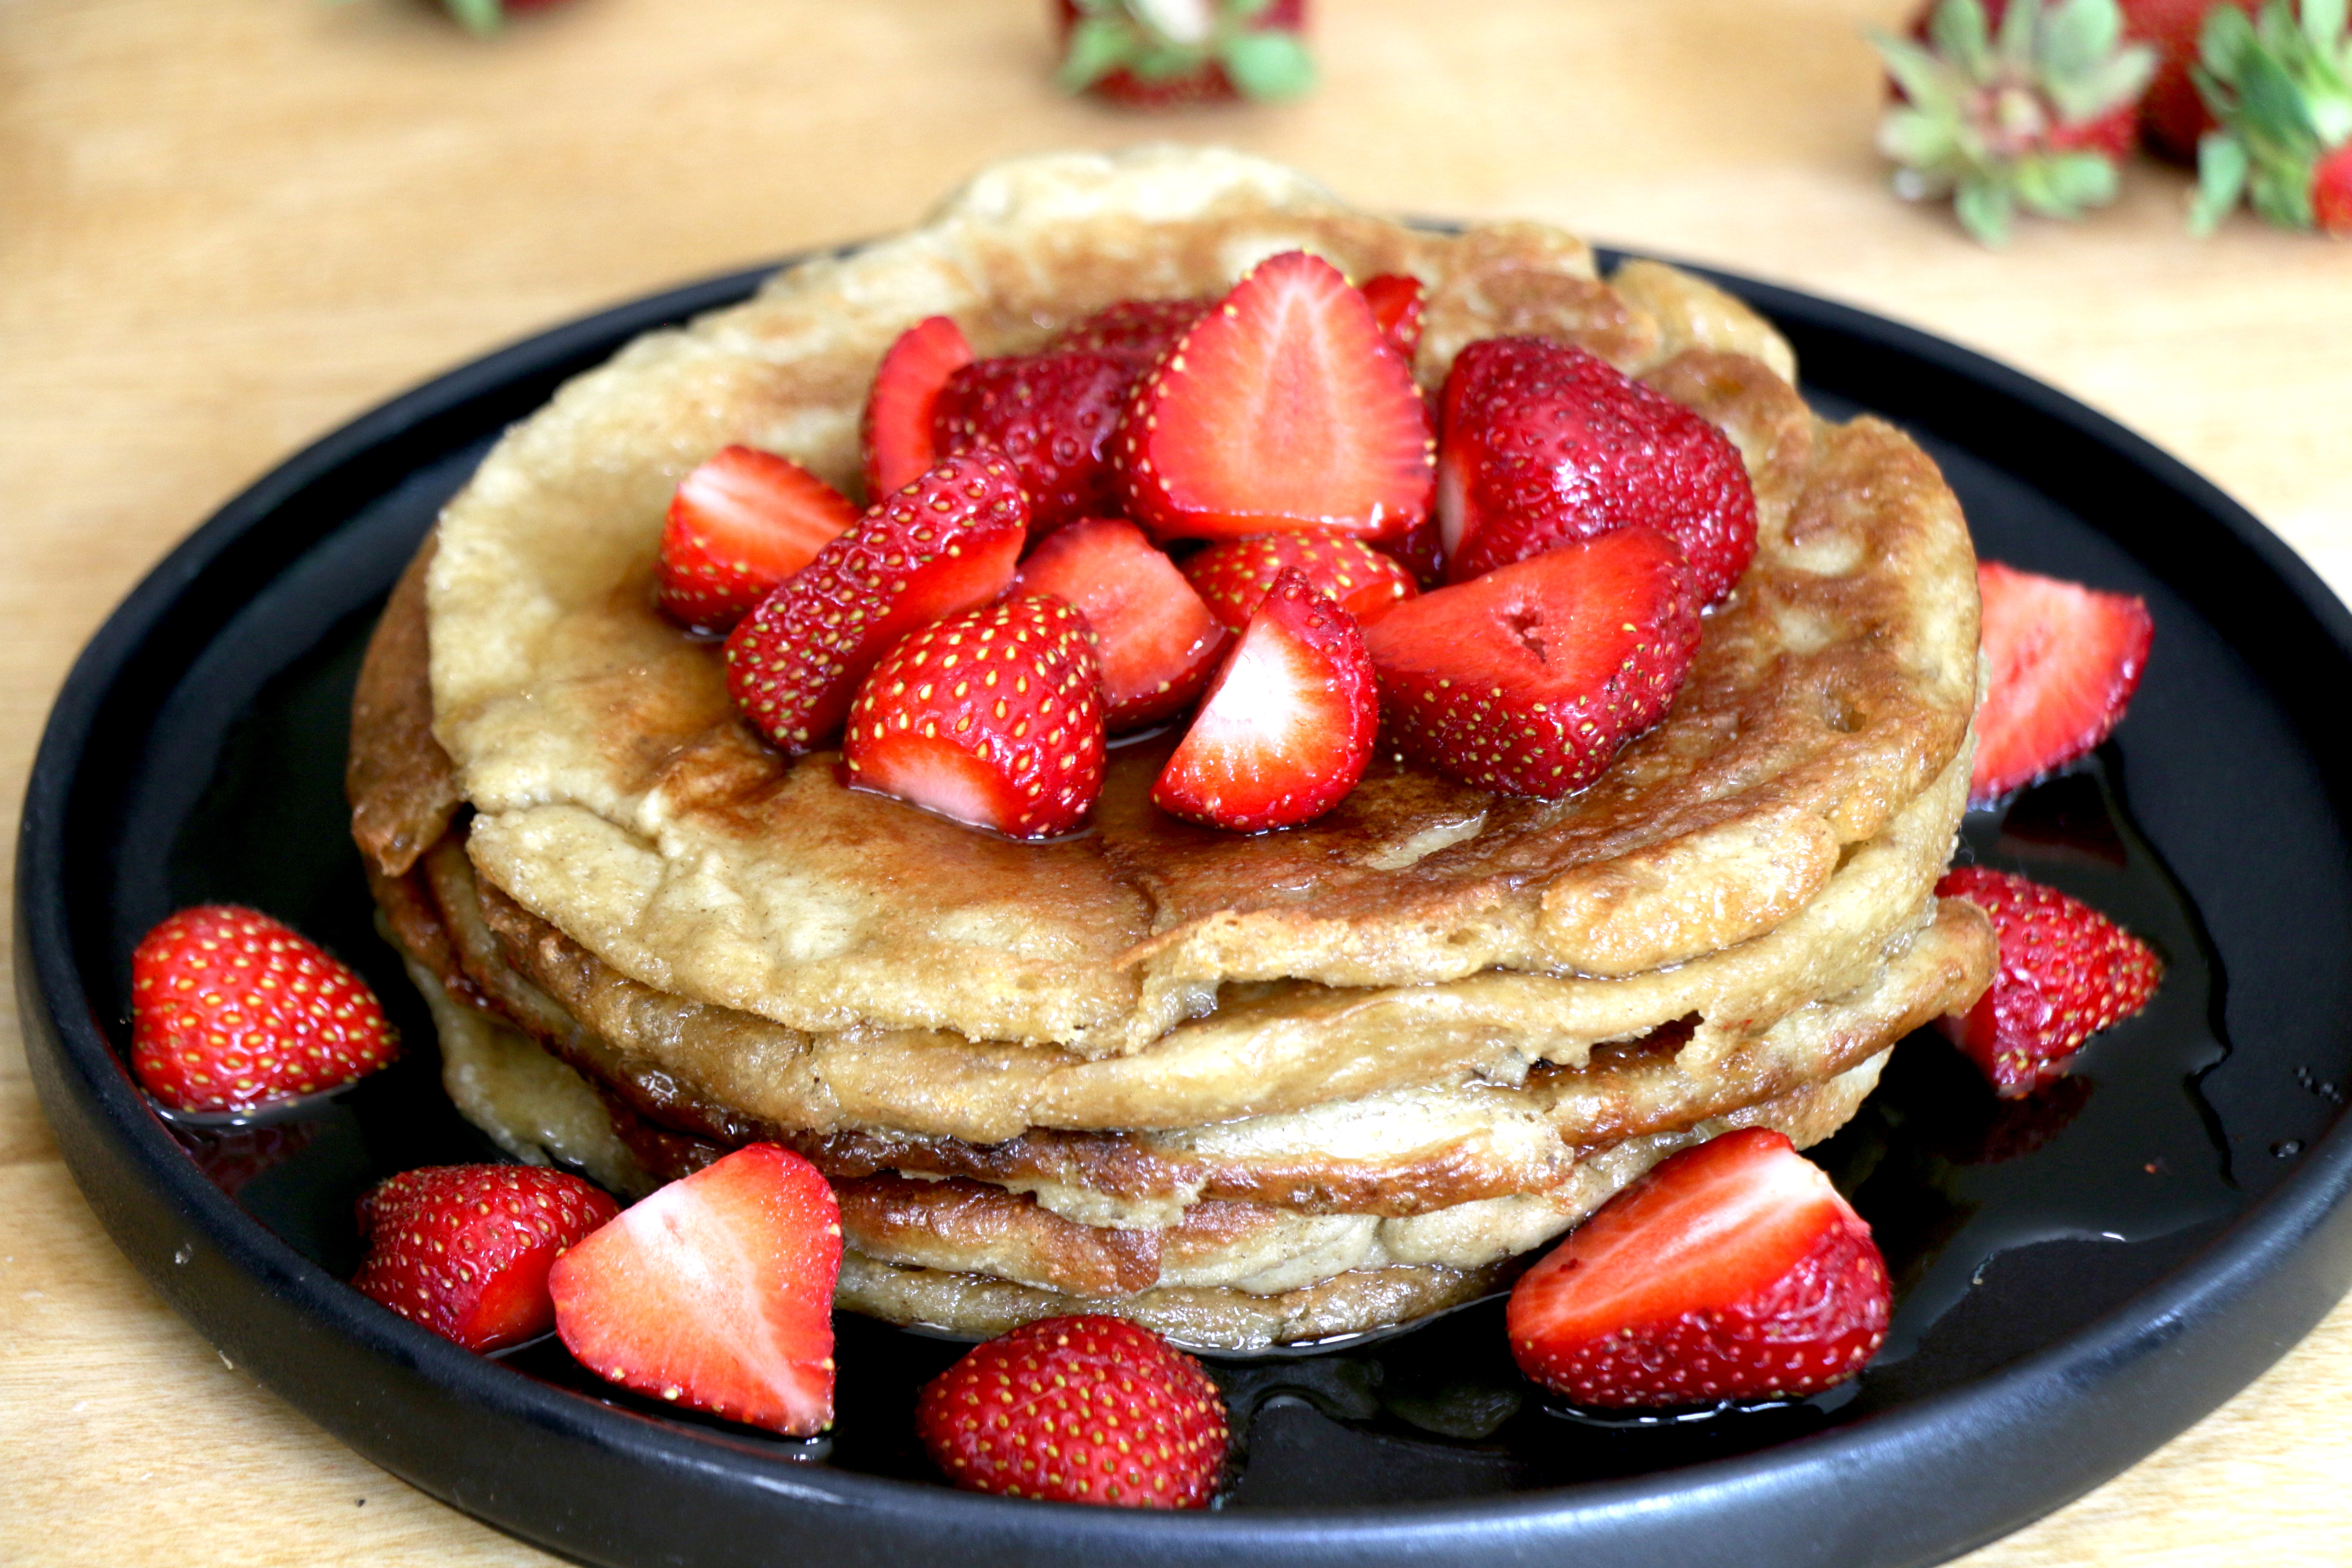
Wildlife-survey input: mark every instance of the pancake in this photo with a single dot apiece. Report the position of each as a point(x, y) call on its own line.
point(620, 800)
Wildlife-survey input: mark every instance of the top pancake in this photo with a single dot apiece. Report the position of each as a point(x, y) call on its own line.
point(620, 798)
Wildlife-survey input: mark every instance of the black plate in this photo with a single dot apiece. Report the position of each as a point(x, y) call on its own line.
point(2080, 1278)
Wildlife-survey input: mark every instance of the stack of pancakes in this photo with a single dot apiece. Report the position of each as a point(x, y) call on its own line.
point(1247, 1090)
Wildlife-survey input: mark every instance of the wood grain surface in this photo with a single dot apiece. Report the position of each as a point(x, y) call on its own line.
point(228, 226)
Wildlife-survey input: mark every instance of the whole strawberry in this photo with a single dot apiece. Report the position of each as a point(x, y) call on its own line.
point(1078, 1409)
point(230, 1008)
point(2037, 114)
point(1052, 415)
point(464, 1250)
point(2066, 971)
point(1733, 1271)
point(2280, 85)
point(1160, 53)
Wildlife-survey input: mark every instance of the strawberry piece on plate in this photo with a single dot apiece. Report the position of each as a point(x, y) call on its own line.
point(992, 717)
point(464, 1250)
point(1398, 300)
point(1234, 577)
point(1079, 1409)
point(1527, 680)
point(1284, 408)
point(895, 433)
point(2066, 971)
point(1053, 415)
point(1288, 726)
point(1733, 1271)
point(945, 544)
point(1546, 443)
point(1136, 332)
point(2065, 661)
point(740, 524)
point(1157, 642)
point(715, 1293)
point(230, 1008)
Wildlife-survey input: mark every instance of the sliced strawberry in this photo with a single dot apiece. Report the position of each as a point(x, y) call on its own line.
point(1053, 415)
point(715, 1293)
point(2066, 972)
point(1080, 1409)
point(1284, 408)
point(1527, 680)
point(1234, 577)
point(1398, 299)
point(1136, 332)
point(1158, 643)
point(740, 524)
point(1733, 1271)
point(1287, 728)
point(945, 544)
point(992, 717)
point(896, 433)
point(2065, 660)
point(230, 1008)
point(1546, 443)
point(464, 1250)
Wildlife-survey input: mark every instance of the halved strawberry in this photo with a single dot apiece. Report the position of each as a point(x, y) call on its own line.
point(895, 433)
point(1053, 415)
point(465, 1250)
point(1398, 299)
point(945, 544)
point(1136, 332)
point(1288, 724)
point(2065, 661)
point(740, 523)
point(715, 1293)
point(1733, 1271)
point(2066, 972)
point(1158, 643)
point(1527, 680)
point(1234, 577)
point(1284, 408)
point(992, 717)
point(1546, 443)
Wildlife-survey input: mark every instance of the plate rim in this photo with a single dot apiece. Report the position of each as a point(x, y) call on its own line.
point(2286, 1259)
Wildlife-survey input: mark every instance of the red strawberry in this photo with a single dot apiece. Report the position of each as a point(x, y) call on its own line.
point(715, 1293)
point(945, 544)
point(1082, 1409)
point(2280, 87)
point(230, 1008)
point(1527, 680)
point(1155, 54)
point(1282, 408)
point(1158, 643)
point(2065, 660)
point(1733, 1271)
point(2037, 111)
point(2172, 117)
point(992, 717)
point(1397, 300)
point(1288, 726)
point(1546, 443)
point(1136, 332)
point(1234, 577)
point(896, 432)
point(1052, 415)
point(464, 1250)
point(740, 524)
point(2066, 972)
point(1420, 553)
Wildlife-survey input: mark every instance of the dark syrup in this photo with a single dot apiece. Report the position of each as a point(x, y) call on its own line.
point(2005, 1224)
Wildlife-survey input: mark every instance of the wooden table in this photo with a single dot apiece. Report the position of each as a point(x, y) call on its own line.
point(226, 228)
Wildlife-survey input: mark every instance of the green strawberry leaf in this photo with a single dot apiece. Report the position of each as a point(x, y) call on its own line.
point(1983, 207)
point(2227, 37)
point(2077, 36)
point(1163, 62)
point(1269, 65)
point(2221, 165)
point(2323, 23)
point(1098, 46)
point(2019, 25)
point(2116, 78)
point(478, 16)
point(1957, 32)
point(1921, 141)
point(1926, 81)
point(1246, 10)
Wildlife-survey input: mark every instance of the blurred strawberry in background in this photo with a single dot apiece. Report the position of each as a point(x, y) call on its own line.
point(486, 15)
point(1160, 53)
point(2280, 87)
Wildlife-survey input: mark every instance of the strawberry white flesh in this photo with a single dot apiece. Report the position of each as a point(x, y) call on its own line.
point(715, 1293)
point(2065, 661)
